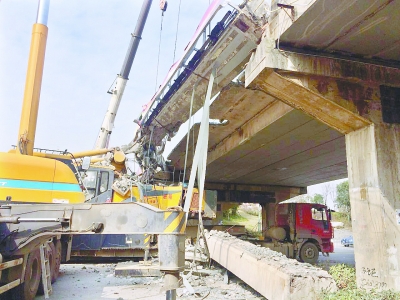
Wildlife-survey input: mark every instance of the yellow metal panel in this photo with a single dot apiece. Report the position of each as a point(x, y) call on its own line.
point(26, 167)
point(183, 227)
point(63, 173)
point(174, 224)
point(26, 195)
point(167, 214)
point(41, 196)
point(31, 179)
point(118, 198)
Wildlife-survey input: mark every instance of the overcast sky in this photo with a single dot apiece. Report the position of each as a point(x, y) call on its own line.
point(86, 46)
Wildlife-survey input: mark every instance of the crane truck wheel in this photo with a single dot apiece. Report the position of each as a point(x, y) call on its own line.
point(309, 253)
point(57, 261)
point(28, 289)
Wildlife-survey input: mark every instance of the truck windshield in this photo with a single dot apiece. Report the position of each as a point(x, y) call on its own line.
point(320, 214)
point(89, 182)
point(89, 179)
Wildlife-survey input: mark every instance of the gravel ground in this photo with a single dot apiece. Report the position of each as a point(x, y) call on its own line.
point(93, 281)
point(97, 281)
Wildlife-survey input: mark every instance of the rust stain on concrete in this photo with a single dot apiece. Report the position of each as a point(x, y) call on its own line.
point(356, 93)
point(363, 193)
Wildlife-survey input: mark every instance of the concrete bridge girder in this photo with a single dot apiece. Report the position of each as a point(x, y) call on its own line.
point(360, 100)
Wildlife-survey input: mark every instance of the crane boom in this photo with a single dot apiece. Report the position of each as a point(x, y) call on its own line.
point(30, 106)
point(118, 91)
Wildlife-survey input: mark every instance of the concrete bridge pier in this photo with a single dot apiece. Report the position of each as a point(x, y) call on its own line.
point(373, 158)
point(361, 100)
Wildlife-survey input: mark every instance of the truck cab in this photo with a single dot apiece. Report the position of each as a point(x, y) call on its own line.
point(300, 230)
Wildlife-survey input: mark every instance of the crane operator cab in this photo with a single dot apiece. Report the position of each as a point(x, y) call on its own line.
point(96, 182)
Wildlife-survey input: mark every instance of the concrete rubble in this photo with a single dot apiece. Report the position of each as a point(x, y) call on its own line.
point(271, 273)
point(288, 279)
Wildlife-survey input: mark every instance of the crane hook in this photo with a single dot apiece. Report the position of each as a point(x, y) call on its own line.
point(163, 5)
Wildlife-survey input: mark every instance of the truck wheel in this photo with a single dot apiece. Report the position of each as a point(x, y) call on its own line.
point(28, 289)
point(309, 253)
point(57, 261)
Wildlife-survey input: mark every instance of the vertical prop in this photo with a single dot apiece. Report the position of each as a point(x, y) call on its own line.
point(200, 156)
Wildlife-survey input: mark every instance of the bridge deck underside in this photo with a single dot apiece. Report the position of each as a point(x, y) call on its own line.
point(357, 28)
point(293, 150)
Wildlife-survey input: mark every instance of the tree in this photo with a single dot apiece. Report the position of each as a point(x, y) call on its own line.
point(328, 192)
point(342, 201)
point(318, 198)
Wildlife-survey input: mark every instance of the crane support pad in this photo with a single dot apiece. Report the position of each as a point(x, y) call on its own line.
point(270, 273)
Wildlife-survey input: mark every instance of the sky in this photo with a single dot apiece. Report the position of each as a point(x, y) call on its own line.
point(327, 190)
point(86, 46)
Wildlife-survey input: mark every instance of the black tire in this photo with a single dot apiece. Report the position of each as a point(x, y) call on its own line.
point(33, 273)
point(309, 253)
point(57, 261)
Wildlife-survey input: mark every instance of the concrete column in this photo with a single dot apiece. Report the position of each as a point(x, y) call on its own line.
point(373, 158)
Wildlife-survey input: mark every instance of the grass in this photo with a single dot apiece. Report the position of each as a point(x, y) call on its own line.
point(345, 278)
point(341, 217)
point(240, 217)
point(236, 219)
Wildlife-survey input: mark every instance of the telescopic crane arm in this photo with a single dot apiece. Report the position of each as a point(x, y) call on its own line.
point(33, 83)
point(118, 91)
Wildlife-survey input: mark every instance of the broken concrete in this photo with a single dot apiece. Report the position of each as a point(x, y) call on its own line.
point(137, 270)
point(270, 273)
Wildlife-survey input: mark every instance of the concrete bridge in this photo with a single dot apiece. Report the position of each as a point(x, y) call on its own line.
point(319, 99)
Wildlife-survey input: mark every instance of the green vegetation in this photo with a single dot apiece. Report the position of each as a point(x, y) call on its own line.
point(318, 198)
point(251, 209)
point(239, 215)
point(342, 200)
point(341, 217)
point(231, 213)
point(345, 277)
point(235, 219)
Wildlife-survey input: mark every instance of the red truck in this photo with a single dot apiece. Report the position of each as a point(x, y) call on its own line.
point(300, 230)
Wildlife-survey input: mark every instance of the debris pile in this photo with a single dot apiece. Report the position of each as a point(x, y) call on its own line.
point(272, 274)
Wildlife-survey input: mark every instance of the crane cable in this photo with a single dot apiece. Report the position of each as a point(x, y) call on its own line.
point(163, 7)
point(177, 27)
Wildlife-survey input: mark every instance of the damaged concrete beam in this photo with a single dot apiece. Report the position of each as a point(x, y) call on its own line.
point(270, 273)
point(310, 102)
point(341, 85)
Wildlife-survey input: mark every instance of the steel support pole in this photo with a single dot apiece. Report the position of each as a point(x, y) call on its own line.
point(171, 279)
point(172, 261)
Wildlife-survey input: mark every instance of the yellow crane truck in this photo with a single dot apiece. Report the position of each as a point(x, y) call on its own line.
point(42, 205)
